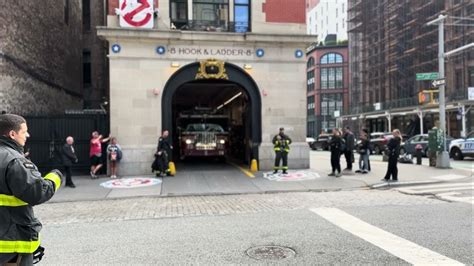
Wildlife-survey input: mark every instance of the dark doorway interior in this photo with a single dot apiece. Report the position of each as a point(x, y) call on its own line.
point(184, 91)
point(212, 103)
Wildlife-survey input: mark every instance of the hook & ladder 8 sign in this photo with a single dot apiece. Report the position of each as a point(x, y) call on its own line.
point(135, 13)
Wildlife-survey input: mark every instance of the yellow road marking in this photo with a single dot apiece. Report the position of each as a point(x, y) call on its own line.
point(245, 171)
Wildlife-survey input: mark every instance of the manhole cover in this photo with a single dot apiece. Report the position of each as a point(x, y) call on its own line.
point(270, 253)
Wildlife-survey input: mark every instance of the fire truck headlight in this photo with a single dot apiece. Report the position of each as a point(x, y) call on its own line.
point(189, 141)
point(222, 141)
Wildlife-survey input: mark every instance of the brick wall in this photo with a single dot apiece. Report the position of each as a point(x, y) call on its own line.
point(113, 4)
point(284, 11)
point(98, 49)
point(40, 56)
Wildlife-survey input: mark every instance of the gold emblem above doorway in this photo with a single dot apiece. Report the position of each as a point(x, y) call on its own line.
point(211, 69)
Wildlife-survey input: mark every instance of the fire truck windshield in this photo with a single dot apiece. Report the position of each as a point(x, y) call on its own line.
point(204, 127)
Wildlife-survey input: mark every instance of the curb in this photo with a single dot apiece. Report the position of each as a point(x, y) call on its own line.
point(211, 194)
point(403, 184)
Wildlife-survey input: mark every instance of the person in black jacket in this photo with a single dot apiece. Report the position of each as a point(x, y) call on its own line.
point(364, 151)
point(393, 152)
point(162, 155)
point(350, 145)
point(336, 146)
point(366, 131)
point(21, 188)
point(69, 158)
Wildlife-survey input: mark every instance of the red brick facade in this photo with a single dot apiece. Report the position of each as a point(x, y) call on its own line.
point(285, 11)
point(310, 4)
point(113, 4)
point(320, 93)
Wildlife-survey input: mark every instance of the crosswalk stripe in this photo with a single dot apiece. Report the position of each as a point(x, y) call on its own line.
point(442, 189)
point(432, 189)
point(400, 247)
point(469, 185)
point(449, 196)
point(449, 177)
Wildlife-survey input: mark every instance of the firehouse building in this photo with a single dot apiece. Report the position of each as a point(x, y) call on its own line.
point(236, 63)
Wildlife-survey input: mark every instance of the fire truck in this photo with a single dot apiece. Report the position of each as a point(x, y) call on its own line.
point(203, 134)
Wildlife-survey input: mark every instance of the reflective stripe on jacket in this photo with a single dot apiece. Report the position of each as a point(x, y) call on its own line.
point(21, 187)
point(283, 144)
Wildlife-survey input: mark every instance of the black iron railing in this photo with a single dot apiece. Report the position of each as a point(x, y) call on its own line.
point(211, 26)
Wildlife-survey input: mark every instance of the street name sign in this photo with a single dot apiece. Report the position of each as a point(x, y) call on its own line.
point(427, 76)
point(438, 82)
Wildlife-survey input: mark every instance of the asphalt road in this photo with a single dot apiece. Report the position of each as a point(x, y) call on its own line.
point(345, 228)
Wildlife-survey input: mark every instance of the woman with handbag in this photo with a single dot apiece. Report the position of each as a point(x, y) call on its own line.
point(114, 154)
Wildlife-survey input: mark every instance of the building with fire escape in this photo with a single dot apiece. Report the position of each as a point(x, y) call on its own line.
point(389, 43)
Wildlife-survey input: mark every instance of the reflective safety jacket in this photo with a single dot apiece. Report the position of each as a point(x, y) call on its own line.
point(283, 144)
point(21, 187)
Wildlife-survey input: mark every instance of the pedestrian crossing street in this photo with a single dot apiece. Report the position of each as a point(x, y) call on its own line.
point(452, 191)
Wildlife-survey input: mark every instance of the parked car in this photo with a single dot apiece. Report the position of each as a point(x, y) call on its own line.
point(379, 140)
point(310, 141)
point(463, 147)
point(322, 142)
point(409, 147)
point(422, 139)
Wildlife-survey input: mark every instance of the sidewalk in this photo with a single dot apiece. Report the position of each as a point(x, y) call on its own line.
point(224, 179)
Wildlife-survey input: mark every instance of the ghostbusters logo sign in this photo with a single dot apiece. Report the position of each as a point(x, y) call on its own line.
point(135, 13)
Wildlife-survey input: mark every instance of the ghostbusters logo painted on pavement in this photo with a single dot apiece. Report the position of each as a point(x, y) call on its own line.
point(133, 182)
point(291, 176)
point(135, 13)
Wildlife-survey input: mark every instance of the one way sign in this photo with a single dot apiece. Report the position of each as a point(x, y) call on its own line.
point(438, 82)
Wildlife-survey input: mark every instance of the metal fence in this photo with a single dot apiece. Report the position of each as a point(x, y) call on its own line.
point(48, 135)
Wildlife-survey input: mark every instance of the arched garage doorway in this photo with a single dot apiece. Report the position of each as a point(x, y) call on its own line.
point(222, 91)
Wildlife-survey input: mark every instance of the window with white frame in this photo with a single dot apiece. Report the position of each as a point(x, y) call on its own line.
point(331, 103)
point(331, 78)
point(242, 15)
point(310, 105)
point(211, 13)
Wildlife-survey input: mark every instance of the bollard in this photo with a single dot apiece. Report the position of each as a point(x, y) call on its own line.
point(172, 168)
point(418, 153)
point(253, 166)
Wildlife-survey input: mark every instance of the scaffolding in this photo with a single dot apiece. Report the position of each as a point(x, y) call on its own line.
point(389, 43)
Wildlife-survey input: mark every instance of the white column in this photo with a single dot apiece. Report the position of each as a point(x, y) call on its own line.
point(420, 115)
point(190, 9)
point(231, 10)
point(389, 118)
point(463, 121)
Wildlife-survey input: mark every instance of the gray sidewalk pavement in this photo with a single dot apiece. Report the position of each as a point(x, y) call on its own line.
point(223, 179)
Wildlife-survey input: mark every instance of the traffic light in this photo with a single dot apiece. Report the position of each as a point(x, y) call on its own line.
point(421, 97)
point(428, 96)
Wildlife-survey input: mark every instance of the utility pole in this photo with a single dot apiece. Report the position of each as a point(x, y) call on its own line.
point(442, 160)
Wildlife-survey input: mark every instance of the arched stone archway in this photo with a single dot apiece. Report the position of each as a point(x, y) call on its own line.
point(236, 75)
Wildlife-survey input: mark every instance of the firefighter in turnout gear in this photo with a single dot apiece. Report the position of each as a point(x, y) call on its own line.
point(281, 144)
point(21, 188)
